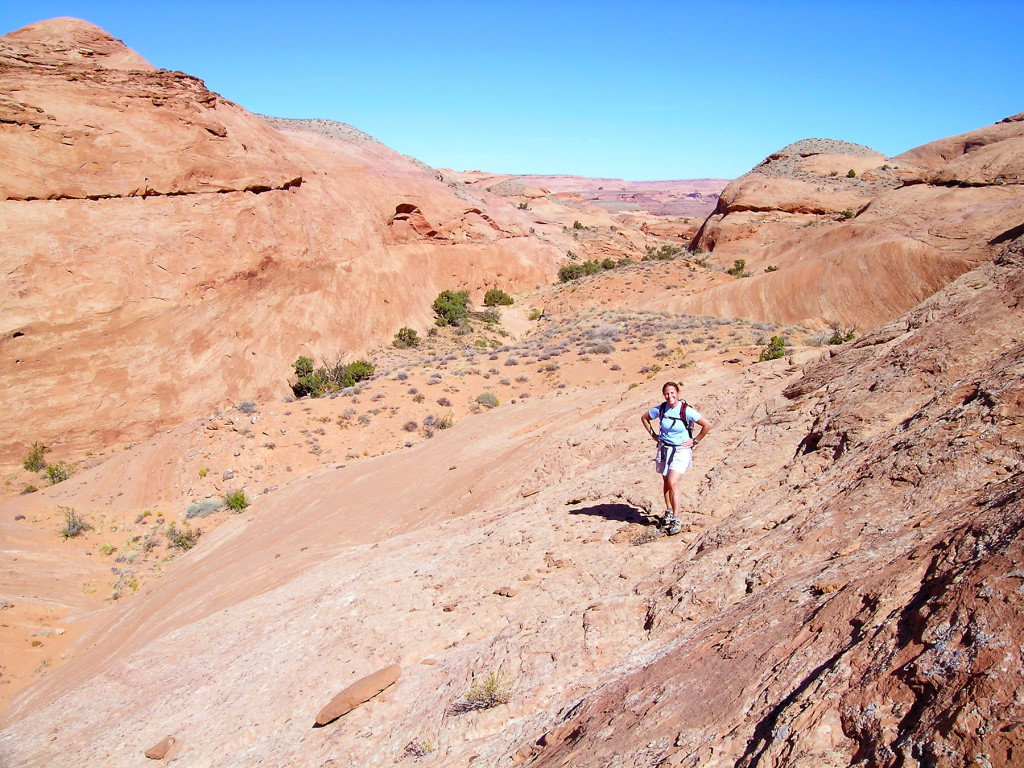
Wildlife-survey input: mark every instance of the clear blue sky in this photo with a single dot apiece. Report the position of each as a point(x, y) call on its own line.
point(634, 90)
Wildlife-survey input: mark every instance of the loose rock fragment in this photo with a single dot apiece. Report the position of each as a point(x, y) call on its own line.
point(159, 750)
point(359, 692)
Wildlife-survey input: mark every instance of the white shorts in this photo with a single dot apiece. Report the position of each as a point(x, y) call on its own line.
point(679, 459)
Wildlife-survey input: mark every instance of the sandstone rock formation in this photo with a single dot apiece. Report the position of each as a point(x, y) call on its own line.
point(851, 569)
point(857, 249)
point(848, 590)
point(165, 250)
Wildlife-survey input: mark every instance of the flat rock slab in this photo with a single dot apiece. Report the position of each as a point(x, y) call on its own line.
point(360, 691)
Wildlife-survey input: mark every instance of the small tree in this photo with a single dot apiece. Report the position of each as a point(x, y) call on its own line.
point(497, 297)
point(34, 461)
point(451, 307)
point(406, 338)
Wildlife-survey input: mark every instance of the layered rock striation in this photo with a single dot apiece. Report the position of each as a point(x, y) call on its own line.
point(165, 250)
point(857, 237)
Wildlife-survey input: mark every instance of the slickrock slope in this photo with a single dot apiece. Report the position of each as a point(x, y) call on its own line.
point(164, 250)
point(848, 590)
point(859, 250)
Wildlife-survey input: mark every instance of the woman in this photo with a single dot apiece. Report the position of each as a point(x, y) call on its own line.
point(675, 447)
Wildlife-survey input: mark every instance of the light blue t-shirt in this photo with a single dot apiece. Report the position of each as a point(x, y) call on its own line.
point(671, 427)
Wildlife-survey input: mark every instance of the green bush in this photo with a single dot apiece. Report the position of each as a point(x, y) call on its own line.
point(775, 349)
point(665, 252)
point(488, 400)
point(609, 264)
point(451, 307)
point(406, 338)
point(74, 523)
point(237, 501)
point(577, 225)
point(739, 268)
point(34, 461)
point(183, 539)
point(59, 472)
point(840, 335)
point(571, 272)
point(771, 268)
point(851, 174)
point(328, 378)
point(495, 297)
point(848, 213)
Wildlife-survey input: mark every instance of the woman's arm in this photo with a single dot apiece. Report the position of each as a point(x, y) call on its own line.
point(646, 420)
point(705, 427)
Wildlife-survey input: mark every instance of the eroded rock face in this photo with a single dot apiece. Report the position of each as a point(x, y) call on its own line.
point(897, 229)
point(157, 234)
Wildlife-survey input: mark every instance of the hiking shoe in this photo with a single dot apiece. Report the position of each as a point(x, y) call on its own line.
point(666, 519)
point(673, 526)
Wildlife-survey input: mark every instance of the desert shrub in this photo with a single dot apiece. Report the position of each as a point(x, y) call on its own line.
point(444, 402)
point(74, 523)
point(182, 538)
point(247, 406)
point(577, 225)
point(34, 460)
point(444, 422)
point(28, 488)
point(59, 472)
point(848, 213)
point(497, 297)
point(406, 338)
point(840, 335)
point(775, 349)
point(451, 307)
point(203, 508)
point(410, 426)
point(490, 692)
point(236, 500)
point(665, 252)
point(490, 316)
point(609, 264)
point(571, 272)
point(535, 314)
point(488, 400)
point(333, 377)
point(851, 174)
point(601, 348)
point(739, 268)
point(107, 549)
point(625, 262)
point(771, 268)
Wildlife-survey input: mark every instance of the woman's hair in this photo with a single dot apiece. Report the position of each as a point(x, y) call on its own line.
point(668, 384)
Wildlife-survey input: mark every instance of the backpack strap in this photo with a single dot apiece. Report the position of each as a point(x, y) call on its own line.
point(682, 412)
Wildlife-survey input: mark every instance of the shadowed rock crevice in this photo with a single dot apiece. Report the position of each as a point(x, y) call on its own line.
point(256, 189)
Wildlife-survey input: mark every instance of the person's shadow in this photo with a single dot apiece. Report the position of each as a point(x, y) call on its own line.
point(622, 513)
